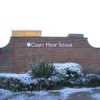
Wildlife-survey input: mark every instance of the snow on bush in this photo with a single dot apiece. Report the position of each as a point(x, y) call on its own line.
point(25, 78)
point(54, 78)
point(59, 67)
point(62, 74)
point(62, 67)
point(92, 80)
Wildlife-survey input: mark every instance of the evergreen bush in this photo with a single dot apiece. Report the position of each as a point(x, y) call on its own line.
point(43, 70)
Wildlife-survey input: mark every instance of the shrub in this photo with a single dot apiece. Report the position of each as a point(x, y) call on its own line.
point(72, 74)
point(92, 80)
point(42, 70)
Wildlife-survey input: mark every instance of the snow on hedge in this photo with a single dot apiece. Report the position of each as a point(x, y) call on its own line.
point(25, 78)
point(62, 67)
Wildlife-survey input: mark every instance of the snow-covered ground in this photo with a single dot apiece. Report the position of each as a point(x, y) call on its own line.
point(63, 94)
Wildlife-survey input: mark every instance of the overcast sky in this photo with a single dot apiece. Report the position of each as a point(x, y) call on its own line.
point(53, 17)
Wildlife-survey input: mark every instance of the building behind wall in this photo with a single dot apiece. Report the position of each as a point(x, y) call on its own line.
point(29, 47)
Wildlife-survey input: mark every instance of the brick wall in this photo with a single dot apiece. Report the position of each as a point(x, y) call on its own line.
point(17, 57)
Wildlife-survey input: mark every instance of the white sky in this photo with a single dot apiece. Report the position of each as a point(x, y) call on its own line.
point(53, 17)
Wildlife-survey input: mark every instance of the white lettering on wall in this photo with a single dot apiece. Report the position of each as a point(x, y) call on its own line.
point(48, 44)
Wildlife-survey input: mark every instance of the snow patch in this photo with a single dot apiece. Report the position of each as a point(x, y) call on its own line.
point(4, 94)
point(96, 96)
